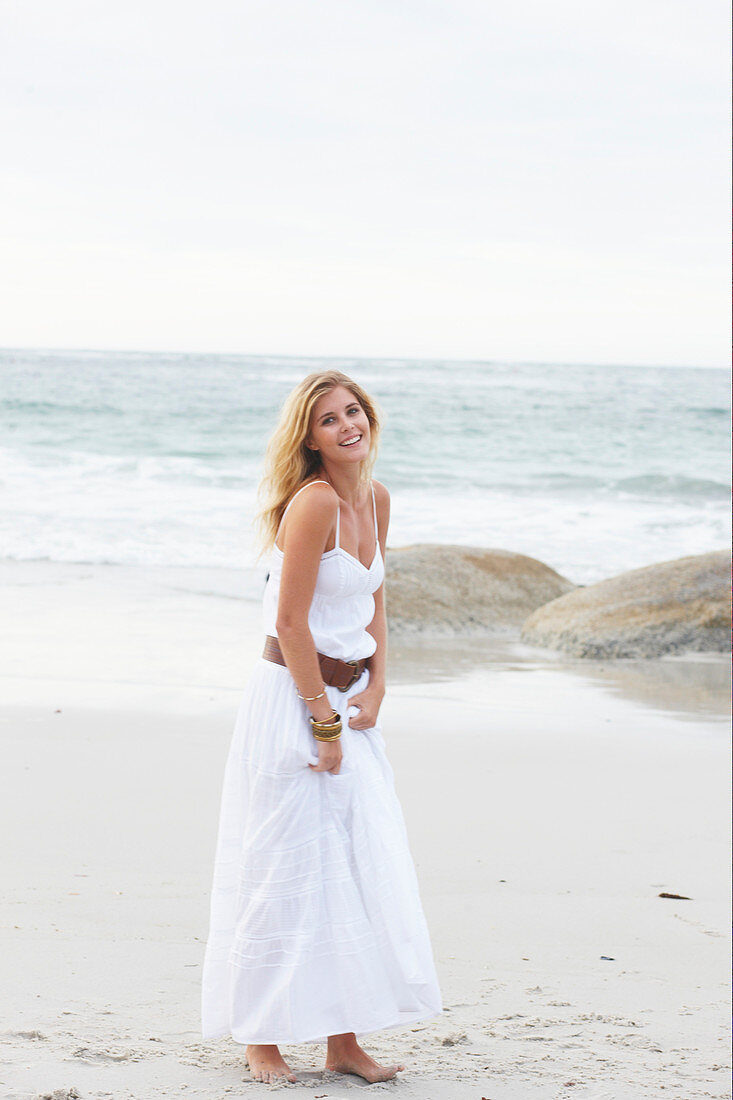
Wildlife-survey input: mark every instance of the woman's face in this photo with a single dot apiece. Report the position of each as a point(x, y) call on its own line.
point(339, 427)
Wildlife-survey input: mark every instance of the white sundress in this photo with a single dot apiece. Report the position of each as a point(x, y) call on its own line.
point(316, 923)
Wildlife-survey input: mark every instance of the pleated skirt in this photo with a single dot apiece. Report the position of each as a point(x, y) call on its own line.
point(316, 924)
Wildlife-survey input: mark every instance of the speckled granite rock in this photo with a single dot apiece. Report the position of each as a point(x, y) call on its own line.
point(673, 607)
point(450, 590)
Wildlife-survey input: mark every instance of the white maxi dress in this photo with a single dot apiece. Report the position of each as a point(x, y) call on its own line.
point(316, 923)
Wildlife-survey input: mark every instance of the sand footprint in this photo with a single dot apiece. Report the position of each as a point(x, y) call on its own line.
point(86, 1054)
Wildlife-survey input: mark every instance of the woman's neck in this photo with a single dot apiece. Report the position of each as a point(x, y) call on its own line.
point(346, 481)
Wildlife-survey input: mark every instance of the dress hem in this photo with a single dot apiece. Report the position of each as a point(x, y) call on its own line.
point(404, 1021)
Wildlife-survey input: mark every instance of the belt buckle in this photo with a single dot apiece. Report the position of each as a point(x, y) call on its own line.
point(354, 665)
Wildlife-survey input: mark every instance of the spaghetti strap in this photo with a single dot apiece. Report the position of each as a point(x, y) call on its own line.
point(300, 490)
point(338, 512)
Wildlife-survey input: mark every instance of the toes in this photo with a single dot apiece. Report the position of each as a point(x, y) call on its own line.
point(392, 1071)
point(272, 1076)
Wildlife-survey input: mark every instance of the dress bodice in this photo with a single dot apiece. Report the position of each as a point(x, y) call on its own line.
point(343, 600)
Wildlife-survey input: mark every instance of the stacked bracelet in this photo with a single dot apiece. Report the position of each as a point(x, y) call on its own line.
point(329, 730)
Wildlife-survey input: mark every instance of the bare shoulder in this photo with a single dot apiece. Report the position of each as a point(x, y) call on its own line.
point(381, 493)
point(318, 494)
point(381, 500)
point(312, 513)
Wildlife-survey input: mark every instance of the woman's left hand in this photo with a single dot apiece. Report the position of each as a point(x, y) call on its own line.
point(368, 702)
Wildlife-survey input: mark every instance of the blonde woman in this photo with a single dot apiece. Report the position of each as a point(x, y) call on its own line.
point(317, 933)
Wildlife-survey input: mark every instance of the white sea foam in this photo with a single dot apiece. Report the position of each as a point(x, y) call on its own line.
point(155, 459)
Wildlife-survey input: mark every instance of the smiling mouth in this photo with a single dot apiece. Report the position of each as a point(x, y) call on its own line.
point(350, 442)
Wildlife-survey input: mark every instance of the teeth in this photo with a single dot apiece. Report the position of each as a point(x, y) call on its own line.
point(350, 442)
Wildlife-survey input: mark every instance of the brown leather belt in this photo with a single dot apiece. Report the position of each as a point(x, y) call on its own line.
point(336, 673)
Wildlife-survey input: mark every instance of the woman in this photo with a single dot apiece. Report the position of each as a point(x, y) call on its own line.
point(317, 932)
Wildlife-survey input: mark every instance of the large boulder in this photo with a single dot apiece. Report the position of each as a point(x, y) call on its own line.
point(671, 607)
point(449, 590)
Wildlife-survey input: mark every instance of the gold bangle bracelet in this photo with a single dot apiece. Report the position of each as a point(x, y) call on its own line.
point(327, 731)
point(329, 724)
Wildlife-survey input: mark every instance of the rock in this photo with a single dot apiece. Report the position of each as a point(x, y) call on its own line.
point(672, 607)
point(450, 590)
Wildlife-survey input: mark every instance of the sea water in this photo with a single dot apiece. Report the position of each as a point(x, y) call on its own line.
point(154, 459)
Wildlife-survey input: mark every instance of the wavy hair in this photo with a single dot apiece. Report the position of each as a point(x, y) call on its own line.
point(289, 461)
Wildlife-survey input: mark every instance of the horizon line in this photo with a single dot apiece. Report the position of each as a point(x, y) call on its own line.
point(367, 358)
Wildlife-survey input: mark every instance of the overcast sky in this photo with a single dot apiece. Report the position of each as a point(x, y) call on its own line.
point(488, 179)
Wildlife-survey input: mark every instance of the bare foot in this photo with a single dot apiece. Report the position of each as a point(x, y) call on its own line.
point(267, 1064)
point(344, 1055)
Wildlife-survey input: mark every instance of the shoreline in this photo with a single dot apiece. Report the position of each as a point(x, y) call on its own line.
point(133, 635)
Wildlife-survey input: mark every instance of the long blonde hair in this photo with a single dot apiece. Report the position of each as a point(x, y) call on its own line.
point(289, 461)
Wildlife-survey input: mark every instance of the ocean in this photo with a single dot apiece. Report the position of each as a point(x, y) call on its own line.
point(154, 459)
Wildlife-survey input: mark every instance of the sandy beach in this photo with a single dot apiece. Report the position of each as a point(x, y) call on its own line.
point(549, 803)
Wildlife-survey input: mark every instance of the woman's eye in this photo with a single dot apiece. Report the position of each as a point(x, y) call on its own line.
point(330, 419)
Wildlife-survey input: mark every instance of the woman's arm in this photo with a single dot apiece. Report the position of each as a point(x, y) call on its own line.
point(370, 700)
point(306, 532)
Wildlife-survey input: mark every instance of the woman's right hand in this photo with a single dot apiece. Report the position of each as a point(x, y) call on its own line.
point(329, 757)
